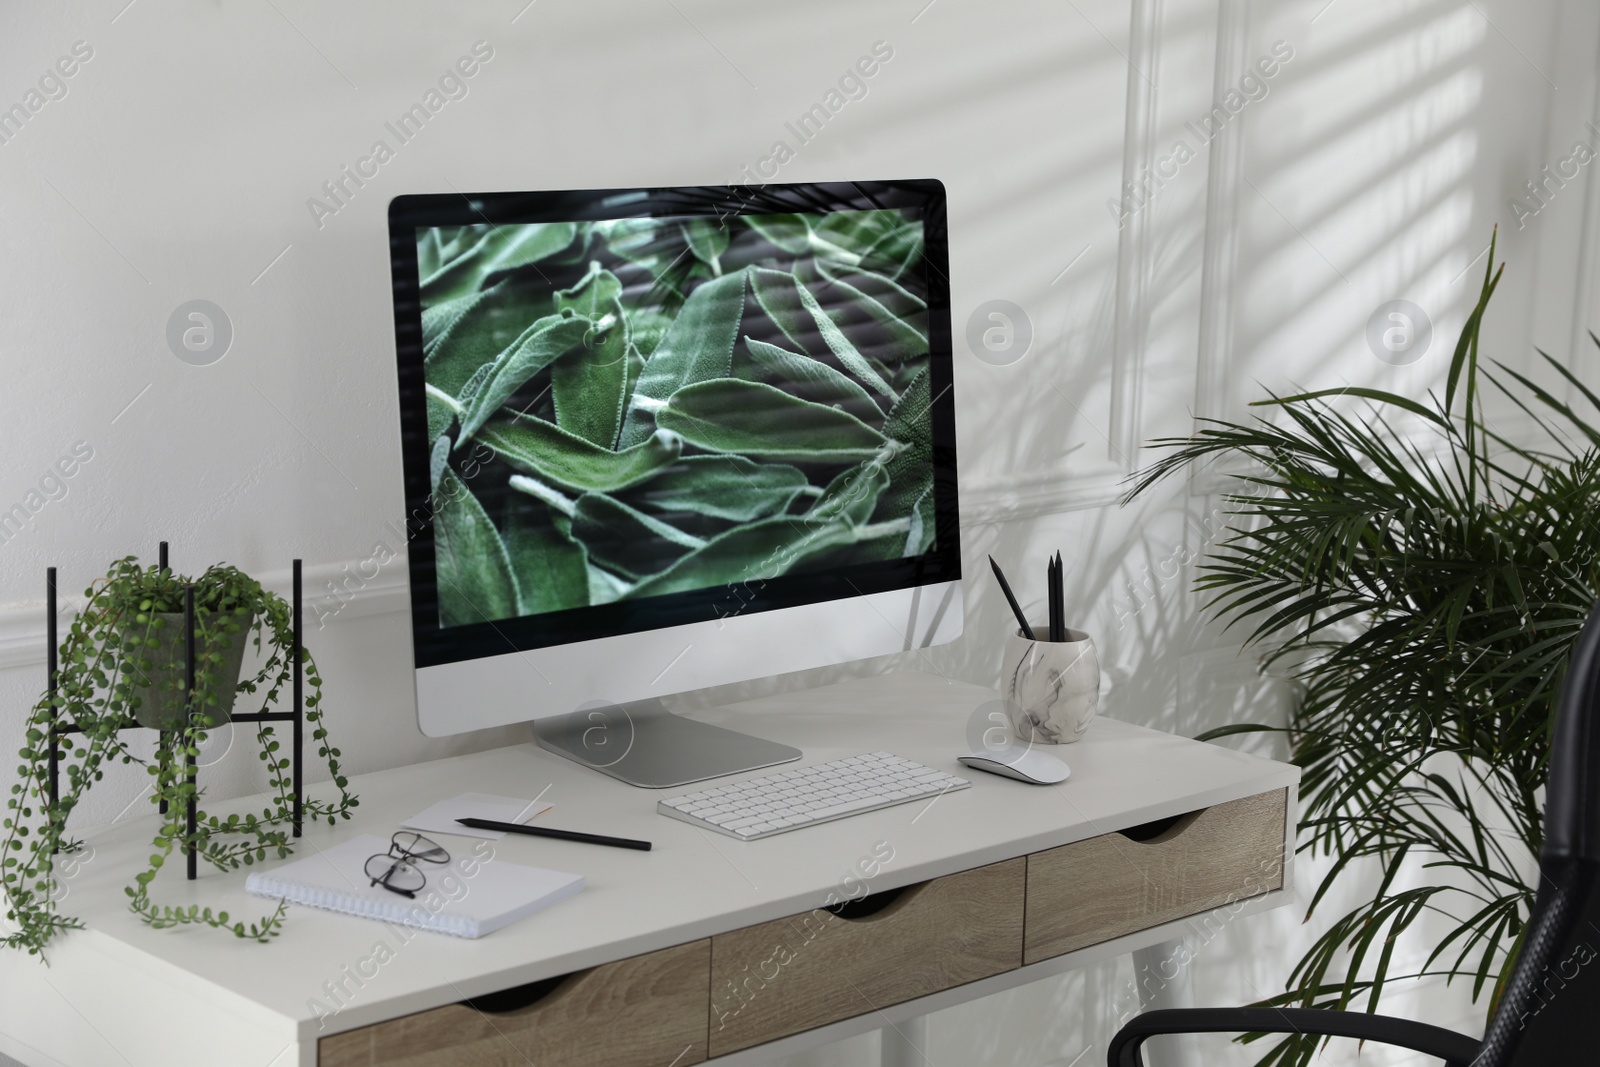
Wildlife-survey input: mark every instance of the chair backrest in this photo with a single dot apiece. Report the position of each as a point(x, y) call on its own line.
point(1572, 800)
point(1551, 1006)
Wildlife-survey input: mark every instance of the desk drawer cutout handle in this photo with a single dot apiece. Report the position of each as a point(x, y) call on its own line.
point(1158, 831)
point(876, 905)
point(518, 998)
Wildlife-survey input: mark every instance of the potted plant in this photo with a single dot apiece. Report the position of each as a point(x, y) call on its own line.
point(1421, 578)
point(122, 664)
point(148, 609)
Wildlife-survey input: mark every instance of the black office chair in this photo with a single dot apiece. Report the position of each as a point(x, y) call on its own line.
point(1550, 1013)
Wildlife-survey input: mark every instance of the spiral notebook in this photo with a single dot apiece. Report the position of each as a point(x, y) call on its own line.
point(476, 893)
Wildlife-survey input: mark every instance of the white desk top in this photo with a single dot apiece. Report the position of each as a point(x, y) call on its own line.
point(692, 885)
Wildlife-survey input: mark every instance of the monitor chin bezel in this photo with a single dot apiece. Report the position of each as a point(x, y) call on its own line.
point(433, 644)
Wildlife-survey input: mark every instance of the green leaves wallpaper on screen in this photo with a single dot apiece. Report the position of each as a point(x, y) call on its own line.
point(672, 404)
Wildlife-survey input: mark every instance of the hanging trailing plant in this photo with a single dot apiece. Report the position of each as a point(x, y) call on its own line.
point(122, 664)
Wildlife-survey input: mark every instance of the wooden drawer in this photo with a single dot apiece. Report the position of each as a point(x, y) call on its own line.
point(647, 1011)
point(1091, 891)
point(809, 970)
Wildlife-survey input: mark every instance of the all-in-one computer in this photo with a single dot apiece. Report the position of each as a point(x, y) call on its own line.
point(662, 439)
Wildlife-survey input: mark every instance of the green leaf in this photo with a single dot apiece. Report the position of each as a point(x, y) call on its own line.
point(698, 347)
point(646, 327)
point(636, 240)
point(551, 567)
point(840, 345)
point(758, 551)
point(450, 245)
point(605, 587)
point(473, 569)
point(539, 346)
point(808, 378)
point(796, 235)
point(858, 229)
point(593, 297)
point(499, 248)
point(625, 540)
point(890, 294)
point(896, 252)
point(907, 329)
point(429, 254)
point(755, 419)
point(792, 233)
point(541, 448)
point(707, 239)
point(852, 495)
point(486, 323)
point(1377, 395)
point(437, 320)
point(910, 469)
point(658, 246)
point(920, 538)
point(588, 386)
point(635, 368)
point(440, 416)
point(723, 487)
point(777, 293)
point(1469, 331)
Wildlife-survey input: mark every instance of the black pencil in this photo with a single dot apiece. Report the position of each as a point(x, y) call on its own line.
point(562, 835)
point(1050, 599)
point(1061, 607)
point(1052, 580)
point(1061, 602)
point(1016, 609)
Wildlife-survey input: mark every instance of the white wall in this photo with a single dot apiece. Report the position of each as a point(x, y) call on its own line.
point(180, 161)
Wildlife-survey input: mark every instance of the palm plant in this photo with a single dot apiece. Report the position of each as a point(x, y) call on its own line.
point(1421, 578)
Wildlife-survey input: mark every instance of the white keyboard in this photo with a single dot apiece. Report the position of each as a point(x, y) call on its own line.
point(761, 807)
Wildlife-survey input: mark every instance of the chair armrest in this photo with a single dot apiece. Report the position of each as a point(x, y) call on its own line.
point(1455, 1049)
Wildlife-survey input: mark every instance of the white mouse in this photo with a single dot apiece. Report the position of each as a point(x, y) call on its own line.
point(1022, 762)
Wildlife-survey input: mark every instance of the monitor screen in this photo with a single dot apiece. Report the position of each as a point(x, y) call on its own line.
point(650, 409)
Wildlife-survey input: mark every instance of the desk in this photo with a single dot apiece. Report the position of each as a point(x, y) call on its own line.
point(114, 993)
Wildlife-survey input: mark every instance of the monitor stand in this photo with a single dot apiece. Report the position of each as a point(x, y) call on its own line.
point(644, 744)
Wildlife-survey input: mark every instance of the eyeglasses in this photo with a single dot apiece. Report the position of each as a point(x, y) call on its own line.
point(397, 870)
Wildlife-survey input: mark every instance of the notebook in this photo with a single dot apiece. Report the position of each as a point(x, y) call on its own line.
point(476, 893)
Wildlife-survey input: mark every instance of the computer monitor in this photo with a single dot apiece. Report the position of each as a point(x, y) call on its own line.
point(656, 440)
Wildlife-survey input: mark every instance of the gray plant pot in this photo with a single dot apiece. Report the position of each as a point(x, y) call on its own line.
point(160, 696)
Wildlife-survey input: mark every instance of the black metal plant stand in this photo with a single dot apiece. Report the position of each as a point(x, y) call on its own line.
point(295, 715)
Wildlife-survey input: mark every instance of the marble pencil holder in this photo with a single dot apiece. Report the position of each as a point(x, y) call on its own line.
point(1050, 688)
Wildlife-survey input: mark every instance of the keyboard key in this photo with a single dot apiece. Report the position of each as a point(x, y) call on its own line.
point(847, 808)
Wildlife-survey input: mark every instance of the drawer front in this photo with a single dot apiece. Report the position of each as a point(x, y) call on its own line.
point(809, 970)
point(647, 1011)
point(1091, 891)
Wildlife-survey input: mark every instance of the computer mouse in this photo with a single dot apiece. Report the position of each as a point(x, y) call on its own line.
point(1022, 762)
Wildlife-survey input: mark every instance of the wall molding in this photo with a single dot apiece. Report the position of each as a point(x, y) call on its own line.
point(1584, 356)
point(1100, 483)
point(1219, 251)
point(339, 592)
point(332, 591)
point(1131, 310)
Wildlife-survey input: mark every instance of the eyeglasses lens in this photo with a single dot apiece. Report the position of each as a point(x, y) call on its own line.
point(399, 874)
